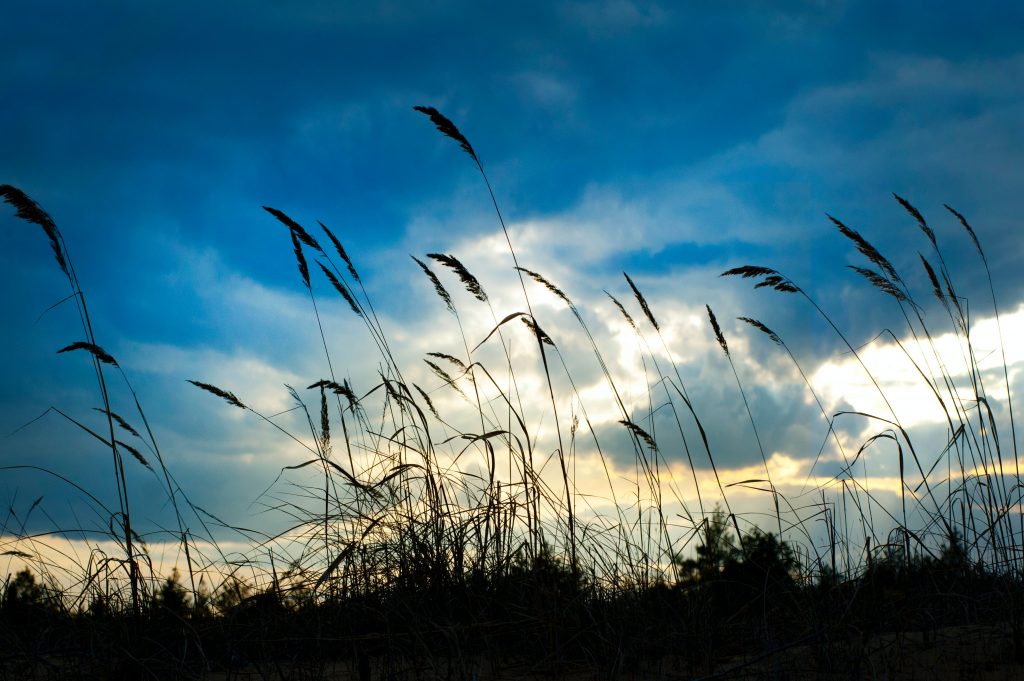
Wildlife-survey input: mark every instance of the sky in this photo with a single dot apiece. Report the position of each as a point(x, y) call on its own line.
point(671, 141)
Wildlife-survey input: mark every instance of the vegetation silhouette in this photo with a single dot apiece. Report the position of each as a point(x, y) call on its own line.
point(428, 544)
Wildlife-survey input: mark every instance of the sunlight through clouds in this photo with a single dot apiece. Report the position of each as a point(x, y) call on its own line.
point(898, 370)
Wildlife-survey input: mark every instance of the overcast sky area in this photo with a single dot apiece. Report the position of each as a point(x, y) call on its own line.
point(671, 141)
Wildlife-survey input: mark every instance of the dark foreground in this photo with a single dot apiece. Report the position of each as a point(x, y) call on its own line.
point(922, 620)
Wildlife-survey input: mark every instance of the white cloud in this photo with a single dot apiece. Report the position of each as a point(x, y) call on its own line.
point(842, 380)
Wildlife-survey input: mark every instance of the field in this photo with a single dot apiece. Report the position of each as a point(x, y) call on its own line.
point(443, 530)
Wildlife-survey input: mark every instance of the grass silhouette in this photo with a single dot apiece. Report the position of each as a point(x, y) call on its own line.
point(438, 545)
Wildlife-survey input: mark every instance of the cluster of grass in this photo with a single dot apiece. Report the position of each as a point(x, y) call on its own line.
point(429, 544)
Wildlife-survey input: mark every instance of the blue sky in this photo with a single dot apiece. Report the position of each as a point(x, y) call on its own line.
point(671, 140)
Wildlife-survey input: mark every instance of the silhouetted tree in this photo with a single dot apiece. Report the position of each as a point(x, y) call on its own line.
point(715, 551)
point(172, 595)
point(764, 561)
point(23, 590)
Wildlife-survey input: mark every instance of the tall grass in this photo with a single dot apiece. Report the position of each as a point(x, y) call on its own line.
point(442, 523)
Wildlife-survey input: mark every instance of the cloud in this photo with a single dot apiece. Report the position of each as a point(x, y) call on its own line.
point(929, 128)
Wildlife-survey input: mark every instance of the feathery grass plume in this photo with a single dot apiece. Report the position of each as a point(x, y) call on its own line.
point(540, 279)
point(438, 286)
point(880, 282)
point(936, 287)
point(769, 278)
point(340, 288)
point(345, 390)
point(629, 318)
point(917, 216)
point(296, 229)
point(134, 452)
point(341, 251)
point(762, 328)
point(454, 360)
point(301, 260)
point(749, 272)
point(952, 296)
point(539, 332)
point(640, 433)
point(471, 283)
point(426, 398)
point(392, 392)
point(325, 423)
point(643, 303)
point(448, 129)
point(967, 226)
point(718, 331)
point(29, 210)
point(93, 349)
point(120, 421)
point(223, 394)
point(444, 376)
point(325, 383)
point(866, 249)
